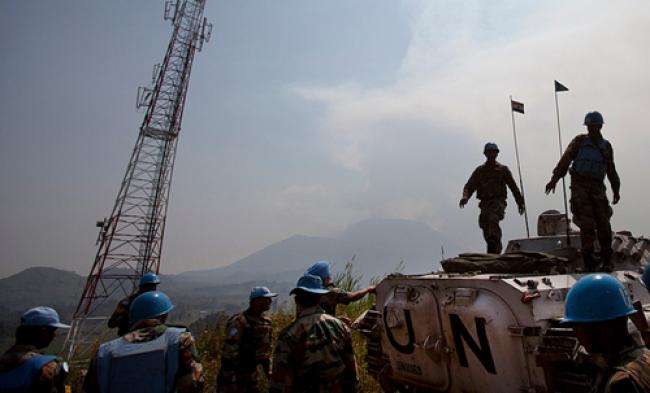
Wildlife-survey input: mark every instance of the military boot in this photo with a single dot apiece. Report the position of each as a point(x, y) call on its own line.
point(606, 259)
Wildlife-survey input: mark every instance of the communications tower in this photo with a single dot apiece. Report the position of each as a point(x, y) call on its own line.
point(130, 241)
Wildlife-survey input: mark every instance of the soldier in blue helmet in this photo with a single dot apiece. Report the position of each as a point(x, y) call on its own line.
point(490, 181)
point(597, 307)
point(314, 353)
point(335, 296)
point(151, 357)
point(247, 345)
point(120, 317)
point(22, 368)
point(589, 158)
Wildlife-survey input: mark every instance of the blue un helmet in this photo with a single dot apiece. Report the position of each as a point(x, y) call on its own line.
point(594, 118)
point(595, 298)
point(42, 316)
point(149, 278)
point(321, 269)
point(149, 305)
point(645, 277)
point(490, 146)
point(257, 292)
point(310, 283)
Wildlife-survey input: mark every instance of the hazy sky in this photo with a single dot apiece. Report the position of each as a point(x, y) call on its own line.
point(304, 117)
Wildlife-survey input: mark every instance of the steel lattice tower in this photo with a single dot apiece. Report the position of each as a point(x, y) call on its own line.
point(130, 241)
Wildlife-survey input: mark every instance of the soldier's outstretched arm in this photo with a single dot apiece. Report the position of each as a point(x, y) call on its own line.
point(510, 182)
point(469, 188)
point(562, 166)
point(612, 175)
point(354, 296)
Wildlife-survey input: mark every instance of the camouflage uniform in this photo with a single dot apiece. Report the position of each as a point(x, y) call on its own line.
point(120, 317)
point(52, 376)
point(247, 345)
point(189, 376)
point(589, 203)
point(489, 182)
point(314, 355)
point(335, 296)
point(628, 371)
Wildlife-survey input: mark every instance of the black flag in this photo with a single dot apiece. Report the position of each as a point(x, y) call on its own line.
point(517, 106)
point(560, 87)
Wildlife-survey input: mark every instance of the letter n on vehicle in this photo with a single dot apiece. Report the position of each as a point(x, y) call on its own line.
point(482, 351)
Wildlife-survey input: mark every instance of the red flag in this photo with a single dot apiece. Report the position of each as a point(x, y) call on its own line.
point(517, 106)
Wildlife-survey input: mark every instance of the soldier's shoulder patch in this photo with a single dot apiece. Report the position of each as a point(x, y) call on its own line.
point(232, 331)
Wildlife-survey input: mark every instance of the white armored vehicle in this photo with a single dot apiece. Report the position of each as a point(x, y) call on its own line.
point(491, 323)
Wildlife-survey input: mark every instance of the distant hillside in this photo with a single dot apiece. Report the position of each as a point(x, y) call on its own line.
point(378, 246)
point(40, 286)
point(282, 261)
point(36, 286)
point(61, 290)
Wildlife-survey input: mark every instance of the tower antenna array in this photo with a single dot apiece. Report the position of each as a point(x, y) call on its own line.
point(130, 241)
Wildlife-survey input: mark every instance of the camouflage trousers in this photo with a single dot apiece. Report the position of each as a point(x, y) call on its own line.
point(591, 213)
point(492, 211)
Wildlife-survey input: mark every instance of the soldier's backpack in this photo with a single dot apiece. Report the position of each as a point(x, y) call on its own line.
point(143, 367)
point(22, 378)
point(591, 160)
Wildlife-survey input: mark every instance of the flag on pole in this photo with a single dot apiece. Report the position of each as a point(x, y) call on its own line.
point(560, 87)
point(517, 106)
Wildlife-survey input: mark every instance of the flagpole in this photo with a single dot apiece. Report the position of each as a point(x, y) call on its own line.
point(521, 181)
point(559, 137)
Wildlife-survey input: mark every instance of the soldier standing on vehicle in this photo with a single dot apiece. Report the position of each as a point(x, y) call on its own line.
point(598, 307)
point(335, 296)
point(247, 345)
point(314, 354)
point(120, 317)
point(22, 368)
point(593, 158)
point(489, 181)
point(152, 357)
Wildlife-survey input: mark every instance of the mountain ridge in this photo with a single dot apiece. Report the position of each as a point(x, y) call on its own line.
point(377, 247)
